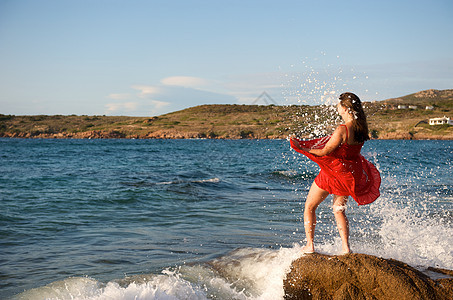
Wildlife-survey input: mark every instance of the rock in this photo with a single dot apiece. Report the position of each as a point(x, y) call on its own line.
point(399, 135)
point(427, 94)
point(361, 276)
point(170, 134)
point(430, 136)
point(100, 134)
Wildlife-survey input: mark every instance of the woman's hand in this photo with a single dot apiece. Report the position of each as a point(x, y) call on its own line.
point(297, 144)
point(295, 141)
point(334, 142)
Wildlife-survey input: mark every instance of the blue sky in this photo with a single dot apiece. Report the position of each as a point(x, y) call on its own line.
point(142, 58)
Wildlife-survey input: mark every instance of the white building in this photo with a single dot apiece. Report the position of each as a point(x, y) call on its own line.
point(440, 121)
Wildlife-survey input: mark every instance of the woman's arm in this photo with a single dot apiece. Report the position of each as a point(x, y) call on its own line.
point(335, 141)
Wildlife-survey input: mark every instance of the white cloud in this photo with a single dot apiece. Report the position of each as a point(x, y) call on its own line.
point(146, 90)
point(120, 107)
point(130, 106)
point(248, 87)
point(179, 92)
point(185, 81)
point(147, 101)
point(159, 104)
point(119, 96)
point(138, 108)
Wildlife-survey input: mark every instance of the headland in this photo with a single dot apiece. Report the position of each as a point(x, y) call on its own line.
point(404, 117)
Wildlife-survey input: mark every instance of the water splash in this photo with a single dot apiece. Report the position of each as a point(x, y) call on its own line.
point(244, 274)
point(412, 221)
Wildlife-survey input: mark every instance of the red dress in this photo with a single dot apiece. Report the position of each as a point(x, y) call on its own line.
point(344, 172)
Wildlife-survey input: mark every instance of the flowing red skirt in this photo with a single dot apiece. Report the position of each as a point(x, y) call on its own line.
point(344, 172)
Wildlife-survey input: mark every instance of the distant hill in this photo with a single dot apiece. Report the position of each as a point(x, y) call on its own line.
point(411, 122)
point(245, 121)
point(439, 98)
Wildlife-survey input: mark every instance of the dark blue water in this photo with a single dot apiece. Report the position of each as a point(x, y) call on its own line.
point(95, 215)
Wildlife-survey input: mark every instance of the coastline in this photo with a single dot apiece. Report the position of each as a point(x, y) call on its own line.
point(96, 134)
point(386, 121)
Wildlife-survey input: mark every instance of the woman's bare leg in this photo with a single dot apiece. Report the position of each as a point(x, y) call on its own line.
point(315, 196)
point(339, 207)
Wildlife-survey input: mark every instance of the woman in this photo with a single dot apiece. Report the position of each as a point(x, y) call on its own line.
point(344, 171)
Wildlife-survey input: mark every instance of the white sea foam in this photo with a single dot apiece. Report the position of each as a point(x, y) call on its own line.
point(262, 271)
point(288, 173)
point(166, 286)
point(413, 237)
point(252, 274)
point(405, 235)
point(213, 180)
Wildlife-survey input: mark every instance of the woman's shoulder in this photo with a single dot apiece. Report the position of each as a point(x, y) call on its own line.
point(343, 131)
point(347, 132)
point(342, 127)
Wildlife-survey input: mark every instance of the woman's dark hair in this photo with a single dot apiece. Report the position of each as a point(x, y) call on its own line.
point(353, 104)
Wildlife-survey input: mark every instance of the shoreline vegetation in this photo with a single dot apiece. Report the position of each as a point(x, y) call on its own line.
point(405, 117)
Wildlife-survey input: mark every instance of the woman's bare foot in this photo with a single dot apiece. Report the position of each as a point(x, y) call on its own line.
point(308, 249)
point(346, 251)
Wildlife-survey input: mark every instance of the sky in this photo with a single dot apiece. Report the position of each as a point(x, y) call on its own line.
point(147, 58)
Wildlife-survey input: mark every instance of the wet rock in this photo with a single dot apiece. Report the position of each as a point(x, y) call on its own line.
point(361, 276)
point(399, 135)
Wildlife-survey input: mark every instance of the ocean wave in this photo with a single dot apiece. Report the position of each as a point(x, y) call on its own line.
point(287, 173)
point(405, 232)
point(293, 174)
point(244, 274)
point(171, 182)
point(210, 180)
point(79, 288)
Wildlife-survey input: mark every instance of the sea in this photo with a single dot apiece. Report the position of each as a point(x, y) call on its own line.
point(200, 219)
